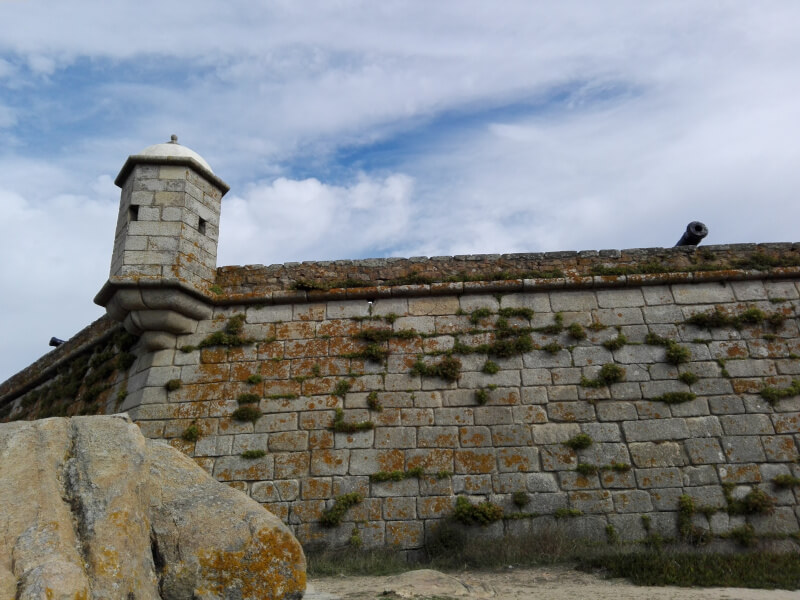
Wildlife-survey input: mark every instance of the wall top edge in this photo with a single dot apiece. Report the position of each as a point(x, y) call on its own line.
point(285, 282)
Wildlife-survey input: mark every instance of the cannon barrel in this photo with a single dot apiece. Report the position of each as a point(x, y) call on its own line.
point(695, 232)
point(55, 342)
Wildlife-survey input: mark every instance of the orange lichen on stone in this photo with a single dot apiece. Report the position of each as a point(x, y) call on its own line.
point(272, 567)
point(320, 440)
point(295, 330)
point(435, 507)
point(747, 386)
point(431, 460)
point(390, 460)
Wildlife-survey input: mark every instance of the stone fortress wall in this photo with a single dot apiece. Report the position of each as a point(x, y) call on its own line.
point(621, 394)
point(497, 424)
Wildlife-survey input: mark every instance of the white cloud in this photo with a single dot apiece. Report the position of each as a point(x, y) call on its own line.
point(514, 126)
point(290, 220)
point(54, 260)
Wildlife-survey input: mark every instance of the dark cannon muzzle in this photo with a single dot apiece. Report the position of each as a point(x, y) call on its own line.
point(695, 232)
point(55, 342)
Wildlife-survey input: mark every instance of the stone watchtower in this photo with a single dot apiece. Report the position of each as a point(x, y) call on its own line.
point(165, 246)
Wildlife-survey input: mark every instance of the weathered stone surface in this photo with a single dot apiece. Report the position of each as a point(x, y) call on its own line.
point(148, 521)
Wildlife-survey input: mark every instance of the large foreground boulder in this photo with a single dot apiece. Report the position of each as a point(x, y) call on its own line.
point(91, 509)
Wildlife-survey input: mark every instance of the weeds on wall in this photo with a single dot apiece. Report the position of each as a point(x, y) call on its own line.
point(608, 374)
point(340, 426)
point(449, 368)
point(331, 517)
point(773, 394)
point(482, 513)
point(246, 413)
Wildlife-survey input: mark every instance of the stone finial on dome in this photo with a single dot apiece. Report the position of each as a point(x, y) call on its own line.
point(173, 139)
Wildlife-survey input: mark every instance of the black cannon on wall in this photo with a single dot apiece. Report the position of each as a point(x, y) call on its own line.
point(694, 234)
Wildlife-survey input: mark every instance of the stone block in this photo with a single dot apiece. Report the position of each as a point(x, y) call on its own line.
point(632, 501)
point(547, 503)
point(702, 293)
point(510, 435)
point(472, 484)
point(747, 473)
point(572, 480)
point(620, 298)
point(291, 465)
point(780, 448)
point(591, 355)
point(493, 415)
point(235, 468)
point(745, 291)
point(629, 527)
point(605, 453)
point(700, 427)
point(616, 411)
point(663, 371)
point(602, 432)
point(753, 424)
point(330, 462)
point(664, 314)
point(554, 433)
point(475, 461)
point(557, 457)
point(566, 376)
point(562, 393)
point(781, 522)
point(539, 359)
point(393, 489)
point(508, 483)
point(658, 478)
point(529, 414)
point(664, 454)
point(405, 534)
point(642, 354)
point(475, 436)
point(435, 507)
point(751, 368)
point(704, 475)
point(538, 377)
point(416, 417)
point(787, 422)
point(591, 501)
point(247, 441)
point(655, 430)
point(522, 460)
point(666, 498)
point(617, 479)
point(433, 305)
point(743, 449)
point(726, 405)
point(571, 412)
point(694, 408)
point(704, 451)
point(432, 460)
point(618, 316)
point(395, 437)
point(437, 437)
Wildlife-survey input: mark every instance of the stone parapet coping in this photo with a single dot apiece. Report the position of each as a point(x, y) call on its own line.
point(576, 282)
point(443, 274)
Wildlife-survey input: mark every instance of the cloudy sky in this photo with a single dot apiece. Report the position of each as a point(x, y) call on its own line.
point(353, 129)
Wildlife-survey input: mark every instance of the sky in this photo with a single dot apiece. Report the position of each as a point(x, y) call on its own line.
point(356, 129)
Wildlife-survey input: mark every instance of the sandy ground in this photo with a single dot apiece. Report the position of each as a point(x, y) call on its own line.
point(520, 584)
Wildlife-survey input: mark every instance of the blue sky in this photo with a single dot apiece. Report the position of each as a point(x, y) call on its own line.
point(355, 128)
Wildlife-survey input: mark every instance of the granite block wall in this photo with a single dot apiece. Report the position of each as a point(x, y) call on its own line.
point(483, 396)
